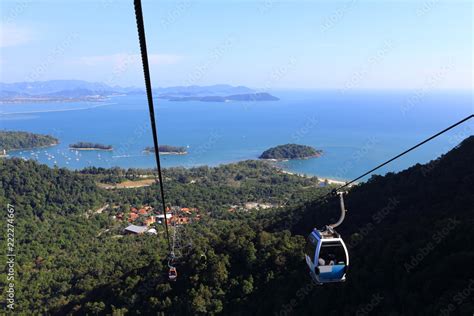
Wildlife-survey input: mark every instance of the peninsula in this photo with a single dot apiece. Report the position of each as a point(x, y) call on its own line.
point(18, 140)
point(247, 97)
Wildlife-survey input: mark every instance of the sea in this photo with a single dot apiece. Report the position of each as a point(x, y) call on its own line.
point(356, 130)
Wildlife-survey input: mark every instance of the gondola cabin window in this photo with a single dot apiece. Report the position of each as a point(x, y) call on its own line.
point(332, 253)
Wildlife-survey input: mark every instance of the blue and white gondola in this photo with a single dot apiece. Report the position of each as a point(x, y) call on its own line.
point(326, 253)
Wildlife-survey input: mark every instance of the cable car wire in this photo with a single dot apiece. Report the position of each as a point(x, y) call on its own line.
point(151, 108)
point(146, 71)
point(333, 192)
point(336, 271)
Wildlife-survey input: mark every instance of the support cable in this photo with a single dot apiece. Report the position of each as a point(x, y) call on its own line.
point(151, 108)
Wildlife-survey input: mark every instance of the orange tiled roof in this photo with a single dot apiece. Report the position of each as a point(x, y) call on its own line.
point(150, 220)
point(133, 216)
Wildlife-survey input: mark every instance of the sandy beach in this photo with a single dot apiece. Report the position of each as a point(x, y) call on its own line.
point(321, 179)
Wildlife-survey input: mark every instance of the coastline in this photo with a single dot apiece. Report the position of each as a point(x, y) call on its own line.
point(321, 179)
point(52, 100)
point(272, 162)
point(287, 159)
point(33, 148)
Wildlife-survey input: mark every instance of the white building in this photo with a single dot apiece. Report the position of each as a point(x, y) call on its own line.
point(134, 229)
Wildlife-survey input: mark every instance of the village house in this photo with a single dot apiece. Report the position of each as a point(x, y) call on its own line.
point(180, 220)
point(161, 217)
point(136, 213)
point(133, 217)
point(175, 215)
point(150, 220)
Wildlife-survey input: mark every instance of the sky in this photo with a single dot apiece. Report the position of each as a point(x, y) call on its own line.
point(263, 44)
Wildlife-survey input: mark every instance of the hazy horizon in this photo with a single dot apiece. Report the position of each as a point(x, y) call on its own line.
point(258, 89)
point(349, 45)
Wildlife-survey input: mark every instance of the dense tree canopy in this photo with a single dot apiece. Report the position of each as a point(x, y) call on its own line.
point(88, 145)
point(410, 238)
point(290, 151)
point(167, 149)
point(12, 140)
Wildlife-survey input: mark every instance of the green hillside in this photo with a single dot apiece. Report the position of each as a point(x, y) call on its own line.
point(410, 238)
point(14, 140)
point(290, 151)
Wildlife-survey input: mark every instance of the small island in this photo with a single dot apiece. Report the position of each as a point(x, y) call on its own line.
point(290, 151)
point(247, 97)
point(18, 140)
point(167, 150)
point(90, 146)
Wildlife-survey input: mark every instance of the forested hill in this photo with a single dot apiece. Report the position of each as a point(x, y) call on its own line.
point(42, 193)
point(290, 151)
point(410, 238)
point(11, 140)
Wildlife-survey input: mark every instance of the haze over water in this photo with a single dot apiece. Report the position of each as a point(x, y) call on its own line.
point(356, 130)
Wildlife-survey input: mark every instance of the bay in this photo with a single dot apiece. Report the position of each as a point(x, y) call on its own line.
point(355, 130)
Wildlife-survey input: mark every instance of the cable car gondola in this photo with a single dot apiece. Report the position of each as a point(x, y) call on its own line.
point(326, 254)
point(172, 274)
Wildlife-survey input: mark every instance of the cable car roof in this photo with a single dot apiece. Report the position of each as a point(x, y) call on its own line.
point(326, 234)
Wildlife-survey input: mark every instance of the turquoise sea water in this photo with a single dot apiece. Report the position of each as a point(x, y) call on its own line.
point(356, 130)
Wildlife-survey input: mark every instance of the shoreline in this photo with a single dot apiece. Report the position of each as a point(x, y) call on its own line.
point(34, 148)
point(274, 162)
point(52, 100)
point(100, 104)
point(288, 159)
point(279, 169)
point(321, 179)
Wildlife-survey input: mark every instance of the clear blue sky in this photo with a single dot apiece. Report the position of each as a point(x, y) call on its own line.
point(264, 44)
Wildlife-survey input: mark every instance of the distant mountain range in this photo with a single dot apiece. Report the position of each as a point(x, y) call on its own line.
point(55, 86)
point(60, 91)
point(247, 97)
point(78, 90)
point(201, 91)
